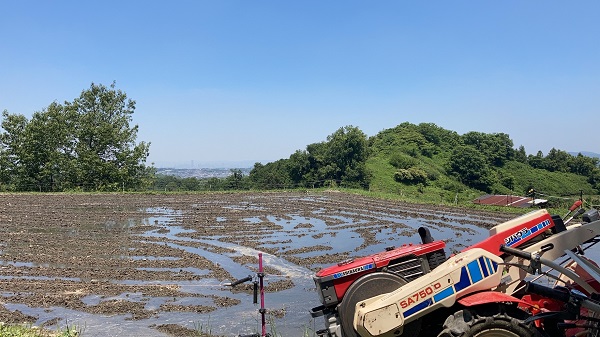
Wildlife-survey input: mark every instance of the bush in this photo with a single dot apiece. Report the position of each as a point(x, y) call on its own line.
point(413, 175)
point(402, 161)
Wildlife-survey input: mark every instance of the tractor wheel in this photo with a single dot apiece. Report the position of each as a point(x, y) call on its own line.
point(366, 287)
point(471, 323)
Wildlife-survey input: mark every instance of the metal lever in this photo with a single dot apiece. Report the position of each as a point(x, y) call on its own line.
point(235, 283)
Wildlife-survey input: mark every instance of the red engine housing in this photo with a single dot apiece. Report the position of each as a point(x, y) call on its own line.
point(412, 261)
point(409, 261)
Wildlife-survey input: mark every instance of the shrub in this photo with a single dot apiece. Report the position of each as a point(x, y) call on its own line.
point(402, 161)
point(413, 175)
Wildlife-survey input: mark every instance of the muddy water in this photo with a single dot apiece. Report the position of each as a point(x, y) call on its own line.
point(289, 236)
point(128, 265)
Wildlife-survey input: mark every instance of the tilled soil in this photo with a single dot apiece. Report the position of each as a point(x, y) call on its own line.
point(57, 250)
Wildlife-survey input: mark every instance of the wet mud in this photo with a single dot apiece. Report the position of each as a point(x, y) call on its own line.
point(161, 262)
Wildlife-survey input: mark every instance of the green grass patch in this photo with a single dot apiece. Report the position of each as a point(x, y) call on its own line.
point(16, 330)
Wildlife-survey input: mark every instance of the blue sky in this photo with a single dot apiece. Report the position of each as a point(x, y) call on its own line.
point(229, 82)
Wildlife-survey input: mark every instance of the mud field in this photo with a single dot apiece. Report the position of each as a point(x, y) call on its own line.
point(155, 265)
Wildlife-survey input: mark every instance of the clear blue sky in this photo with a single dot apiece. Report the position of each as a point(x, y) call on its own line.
point(245, 81)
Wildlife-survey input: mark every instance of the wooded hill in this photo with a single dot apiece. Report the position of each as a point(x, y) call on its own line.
point(427, 161)
point(88, 144)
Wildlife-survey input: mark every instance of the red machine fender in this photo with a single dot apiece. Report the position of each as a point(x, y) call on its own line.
point(516, 232)
point(486, 297)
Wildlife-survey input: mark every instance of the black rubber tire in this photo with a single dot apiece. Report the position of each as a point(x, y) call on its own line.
point(473, 323)
point(366, 287)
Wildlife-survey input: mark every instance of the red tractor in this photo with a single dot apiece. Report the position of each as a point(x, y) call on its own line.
point(415, 291)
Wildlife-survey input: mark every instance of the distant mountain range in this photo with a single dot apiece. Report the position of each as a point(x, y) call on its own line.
point(200, 172)
point(587, 154)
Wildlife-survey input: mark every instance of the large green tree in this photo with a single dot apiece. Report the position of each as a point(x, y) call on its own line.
point(471, 168)
point(342, 157)
point(521, 155)
point(558, 161)
point(88, 143)
point(496, 147)
point(583, 165)
point(105, 142)
point(12, 151)
point(31, 158)
point(338, 160)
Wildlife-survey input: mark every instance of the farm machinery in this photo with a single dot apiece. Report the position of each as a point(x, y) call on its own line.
point(487, 289)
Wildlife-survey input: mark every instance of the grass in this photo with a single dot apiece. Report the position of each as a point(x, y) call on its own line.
point(17, 330)
point(561, 189)
point(202, 330)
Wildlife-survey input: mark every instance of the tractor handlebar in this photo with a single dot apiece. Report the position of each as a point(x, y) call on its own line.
point(536, 261)
point(554, 293)
point(515, 252)
point(564, 295)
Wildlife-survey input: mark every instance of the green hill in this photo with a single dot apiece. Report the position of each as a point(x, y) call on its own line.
point(426, 162)
point(423, 163)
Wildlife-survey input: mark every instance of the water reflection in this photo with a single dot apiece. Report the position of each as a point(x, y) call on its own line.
point(280, 237)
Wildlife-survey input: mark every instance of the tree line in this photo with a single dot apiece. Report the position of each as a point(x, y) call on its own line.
point(476, 161)
point(422, 155)
point(340, 161)
point(89, 144)
point(85, 144)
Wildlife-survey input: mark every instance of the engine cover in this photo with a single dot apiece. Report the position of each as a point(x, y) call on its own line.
point(408, 261)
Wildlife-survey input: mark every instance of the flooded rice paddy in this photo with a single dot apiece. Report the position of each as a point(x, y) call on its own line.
point(157, 265)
